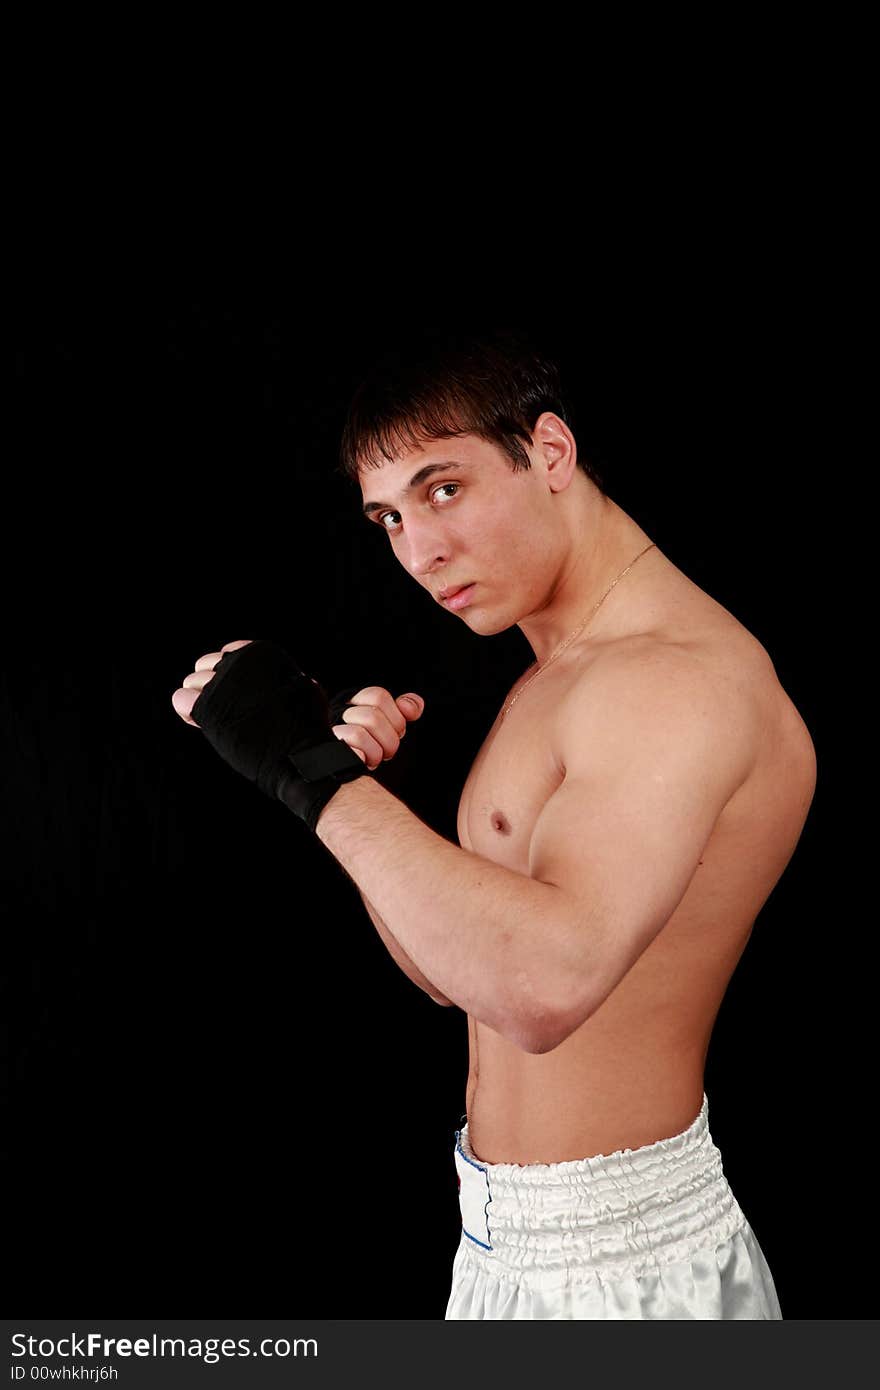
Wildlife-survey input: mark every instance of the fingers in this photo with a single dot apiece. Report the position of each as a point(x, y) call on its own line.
point(198, 679)
point(379, 709)
point(182, 700)
point(413, 706)
point(210, 659)
point(398, 712)
point(374, 723)
point(362, 742)
point(381, 737)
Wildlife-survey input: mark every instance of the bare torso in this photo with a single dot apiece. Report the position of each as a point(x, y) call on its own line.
point(633, 1072)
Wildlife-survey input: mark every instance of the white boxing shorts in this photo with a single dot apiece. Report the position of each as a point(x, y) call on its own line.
point(654, 1232)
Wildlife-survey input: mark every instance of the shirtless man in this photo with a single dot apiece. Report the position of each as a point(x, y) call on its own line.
point(637, 798)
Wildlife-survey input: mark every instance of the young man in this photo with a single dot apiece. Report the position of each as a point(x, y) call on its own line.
point(636, 800)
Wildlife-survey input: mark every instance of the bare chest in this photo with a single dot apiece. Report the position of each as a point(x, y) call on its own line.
point(649, 1040)
point(519, 766)
point(512, 777)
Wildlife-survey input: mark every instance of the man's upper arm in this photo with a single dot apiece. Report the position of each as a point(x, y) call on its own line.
point(653, 747)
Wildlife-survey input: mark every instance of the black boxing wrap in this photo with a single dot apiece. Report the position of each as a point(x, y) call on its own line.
point(271, 723)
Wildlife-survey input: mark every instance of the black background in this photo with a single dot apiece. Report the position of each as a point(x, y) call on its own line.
point(226, 1098)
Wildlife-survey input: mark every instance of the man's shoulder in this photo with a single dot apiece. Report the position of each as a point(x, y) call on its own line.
point(649, 686)
point(728, 661)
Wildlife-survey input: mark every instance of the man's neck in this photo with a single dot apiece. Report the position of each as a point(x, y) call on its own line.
point(605, 541)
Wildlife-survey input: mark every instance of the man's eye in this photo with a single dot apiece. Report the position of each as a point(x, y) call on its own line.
point(382, 515)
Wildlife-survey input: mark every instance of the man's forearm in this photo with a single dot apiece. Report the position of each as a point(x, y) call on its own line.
point(494, 941)
point(399, 956)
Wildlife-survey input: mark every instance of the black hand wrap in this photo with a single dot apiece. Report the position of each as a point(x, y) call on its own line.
point(269, 721)
point(339, 703)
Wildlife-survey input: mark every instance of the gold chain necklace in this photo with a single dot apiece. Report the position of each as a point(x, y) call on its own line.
point(564, 644)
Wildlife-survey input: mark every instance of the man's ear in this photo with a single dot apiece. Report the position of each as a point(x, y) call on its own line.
point(556, 445)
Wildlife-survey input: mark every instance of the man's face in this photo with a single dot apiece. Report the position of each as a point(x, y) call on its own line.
point(471, 521)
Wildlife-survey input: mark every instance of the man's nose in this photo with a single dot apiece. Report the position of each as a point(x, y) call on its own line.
point(428, 548)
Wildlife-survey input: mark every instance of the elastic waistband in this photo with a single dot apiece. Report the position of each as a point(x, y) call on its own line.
point(630, 1210)
point(631, 1166)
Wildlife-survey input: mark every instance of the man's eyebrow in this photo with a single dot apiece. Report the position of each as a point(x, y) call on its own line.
point(415, 481)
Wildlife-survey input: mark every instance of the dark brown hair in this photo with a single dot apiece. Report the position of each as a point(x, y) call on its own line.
point(494, 385)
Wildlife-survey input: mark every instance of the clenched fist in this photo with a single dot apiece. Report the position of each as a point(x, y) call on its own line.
point(184, 698)
point(372, 721)
point(269, 721)
point(273, 723)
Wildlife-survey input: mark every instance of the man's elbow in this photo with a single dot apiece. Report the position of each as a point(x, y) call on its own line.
point(553, 1030)
point(535, 1036)
point(532, 1027)
point(544, 1041)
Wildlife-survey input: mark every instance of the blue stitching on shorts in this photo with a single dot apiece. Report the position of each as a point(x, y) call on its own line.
point(479, 1167)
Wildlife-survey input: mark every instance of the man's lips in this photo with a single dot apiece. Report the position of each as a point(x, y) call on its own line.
point(458, 598)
